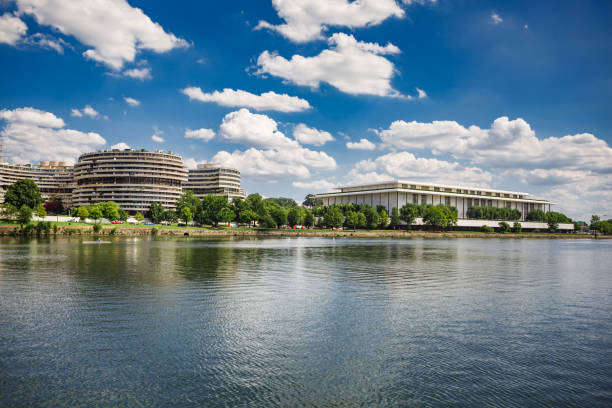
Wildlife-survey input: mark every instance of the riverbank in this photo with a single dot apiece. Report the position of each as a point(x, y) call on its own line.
point(141, 230)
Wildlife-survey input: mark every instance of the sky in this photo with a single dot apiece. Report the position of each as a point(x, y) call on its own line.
point(306, 95)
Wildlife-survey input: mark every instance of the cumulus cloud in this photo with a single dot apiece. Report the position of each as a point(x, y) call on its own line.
point(406, 166)
point(12, 29)
point(351, 66)
point(201, 134)
point(308, 135)
point(496, 19)
point(86, 111)
point(315, 185)
point(267, 101)
point(120, 146)
point(272, 155)
point(363, 144)
point(138, 73)
point(131, 101)
point(31, 135)
point(506, 144)
point(113, 29)
point(158, 139)
point(421, 93)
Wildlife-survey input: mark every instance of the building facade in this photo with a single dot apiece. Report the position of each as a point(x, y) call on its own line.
point(52, 178)
point(132, 178)
point(211, 178)
point(396, 194)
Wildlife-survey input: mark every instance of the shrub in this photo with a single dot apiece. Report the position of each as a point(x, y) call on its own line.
point(517, 227)
point(55, 229)
point(154, 231)
point(486, 228)
point(113, 231)
point(504, 227)
point(97, 227)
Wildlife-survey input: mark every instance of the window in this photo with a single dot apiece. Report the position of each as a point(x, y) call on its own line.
point(508, 204)
point(469, 203)
point(490, 203)
point(447, 200)
point(415, 199)
point(423, 199)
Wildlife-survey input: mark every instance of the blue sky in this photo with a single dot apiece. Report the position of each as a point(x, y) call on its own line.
point(511, 95)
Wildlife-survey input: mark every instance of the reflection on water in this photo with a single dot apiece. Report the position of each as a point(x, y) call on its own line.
point(305, 322)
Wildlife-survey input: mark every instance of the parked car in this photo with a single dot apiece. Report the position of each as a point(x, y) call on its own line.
point(149, 223)
point(117, 222)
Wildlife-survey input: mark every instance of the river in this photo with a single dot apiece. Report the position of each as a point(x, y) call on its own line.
point(305, 322)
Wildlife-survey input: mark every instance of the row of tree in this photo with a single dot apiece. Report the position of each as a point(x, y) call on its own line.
point(493, 213)
point(106, 209)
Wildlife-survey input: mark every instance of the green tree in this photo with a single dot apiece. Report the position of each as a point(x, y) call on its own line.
point(517, 228)
point(156, 212)
point(256, 204)
point(279, 215)
point(309, 219)
point(185, 214)
point(123, 215)
point(408, 214)
point(110, 210)
point(23, 192)
point(10, 210)
point(536, 215)
point(383, 219)
point(395, 218)
point(352, 219)
point(594, 220)
point(311, 200)
point(214, 209)
point(504, 227)
point(247, 216)
point(40, 211)
point(170, 216)
point(187, 200)
point(371, 216)
point(334, 217)
point(283, 202)
point(95, 212)
point(82, 213)
point(295, 216)
point(25, 215)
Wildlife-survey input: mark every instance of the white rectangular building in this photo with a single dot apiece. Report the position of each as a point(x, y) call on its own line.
point(396, 194)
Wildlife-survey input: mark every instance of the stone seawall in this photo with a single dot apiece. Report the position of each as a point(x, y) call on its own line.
point(201, 232)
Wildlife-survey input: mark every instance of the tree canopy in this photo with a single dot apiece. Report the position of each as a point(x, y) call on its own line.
point(23, 192)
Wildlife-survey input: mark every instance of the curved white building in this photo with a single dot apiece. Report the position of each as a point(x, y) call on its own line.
point(211, 178)
point(132, 178)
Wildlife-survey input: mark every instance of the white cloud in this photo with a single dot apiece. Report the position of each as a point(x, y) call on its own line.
point(352, 66)
point(308, 135)
point(158, 139)
point(120, 146)
point(315, 185)
point(421, 93)
point(32, 117)
point(236, 98)
point(32, 135)
point(138, 73)
point(253, 130)
point(190, 162)
point(202, 134)
point(406, 166)
point(363, 144)
point(131, 101)
point(115, 30)
point(506, 144)
point(272, 155)
point(86, 111)
point(12, 29)
point(47, 41)
point(306, 20)
point(496, 19)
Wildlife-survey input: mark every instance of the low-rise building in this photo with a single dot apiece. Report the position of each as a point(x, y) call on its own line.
point(212, 178)
point(396, 194)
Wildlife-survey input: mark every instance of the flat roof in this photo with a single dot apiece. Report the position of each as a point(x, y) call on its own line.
point(421, 183)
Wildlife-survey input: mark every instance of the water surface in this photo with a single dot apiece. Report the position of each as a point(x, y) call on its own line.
point(305, 322)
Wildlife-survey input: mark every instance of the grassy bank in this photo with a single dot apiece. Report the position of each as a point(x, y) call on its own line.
point(65, 228)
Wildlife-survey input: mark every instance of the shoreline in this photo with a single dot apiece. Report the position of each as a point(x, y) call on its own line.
point(8, 230)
